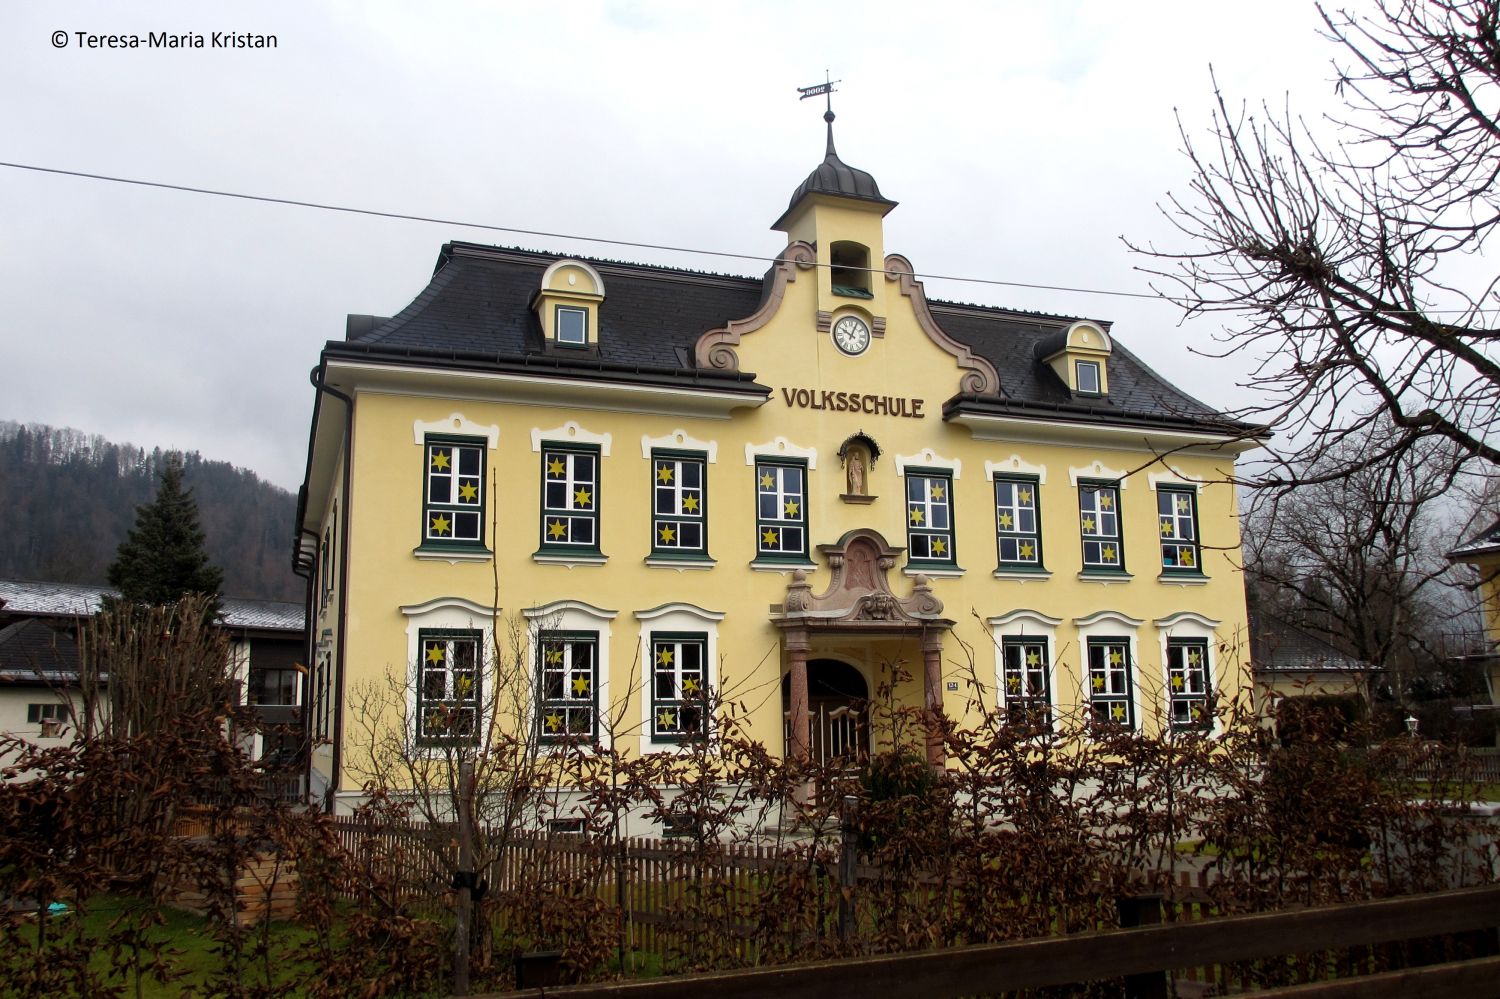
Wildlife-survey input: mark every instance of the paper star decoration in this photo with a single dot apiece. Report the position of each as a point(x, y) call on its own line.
point(1108, 552)
point(465, 684)
point(556, 529)
point(580, 686)
point(667, 534)
point(791, 507)
point(939, 546)
point(1194, 658)
point(1182, 504)
point(1088, 524)
point(555, 467)
point(1116, 658)
point(434, 653)
point(690, 504)
point(1176, 683)
point(581, 498)
point(554, 722)
point(554, 656)
point(1026, 549)
point(664, 473)
point(1187, 557)
point(1106, 501)
point(1117, 712)
point(768, 537)
point(1033, 659)
point(936, 491)
point(440, 524)
point(767, 480)
point(665, 720)
point(1005, 521)
point(468, 492)
point(917, 516)
point(439, 460)
point(689, 686)
point(1166, 528)
point(1098, 683)
point(1012, 684)
point(664, 657)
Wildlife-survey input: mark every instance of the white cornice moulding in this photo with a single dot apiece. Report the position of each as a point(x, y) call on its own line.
point(440, 603)
point(456, 423)
point(928, 458)
point(570, 433)
point(1174, 476)
point(1015, 465)
point(1186, 617)
point(564, 606)
point(1098, 470)
point(1100, 617)
point(1022, 617)
point(678, 608)
point(680, 440)
point(780, 447)
point(1014, 430)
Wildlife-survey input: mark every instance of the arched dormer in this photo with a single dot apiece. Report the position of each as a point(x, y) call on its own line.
point(567, 305)
point(1080, 357)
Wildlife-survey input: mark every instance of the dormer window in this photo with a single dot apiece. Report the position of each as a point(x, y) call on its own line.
point(849, 270)
point(1087, 375)
point(572, 327)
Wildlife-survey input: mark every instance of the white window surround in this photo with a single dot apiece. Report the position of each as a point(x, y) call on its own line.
point(1099, 470)
point(1174, 477)
point(676, 616)
point(1024, 624)
point(1110, 624)
point(575, 615)
point(1086, 331)
point(679, 440)
point(1014, 465)
point(457, 424)
point(780, 447)
point(1189, 624)
point(570, 433)
point(558, 265)
point(928, 458)
point(450, 613)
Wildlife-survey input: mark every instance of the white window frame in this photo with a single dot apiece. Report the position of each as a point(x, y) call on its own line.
point(1194, 626)
point(448, 614)
point(557, 322)
point(1110, 624)
point(1031, 625)
point(573, 615)
point(674, 617)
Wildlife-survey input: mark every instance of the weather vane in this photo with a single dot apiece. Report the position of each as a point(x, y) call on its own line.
point(825, 90)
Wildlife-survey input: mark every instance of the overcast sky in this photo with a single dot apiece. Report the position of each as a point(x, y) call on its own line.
point(1021, 139)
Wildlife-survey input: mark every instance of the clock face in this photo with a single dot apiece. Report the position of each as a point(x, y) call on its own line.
point(851, 335)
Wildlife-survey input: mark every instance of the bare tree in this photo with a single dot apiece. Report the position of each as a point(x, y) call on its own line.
point(1353, 264)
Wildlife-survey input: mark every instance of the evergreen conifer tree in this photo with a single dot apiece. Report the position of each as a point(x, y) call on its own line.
point(163, 558)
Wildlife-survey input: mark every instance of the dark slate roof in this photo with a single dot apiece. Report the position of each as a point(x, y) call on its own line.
point(32, 598)
point(31, 651)
point(1487, 542)
point(1277, 646)
point(476, 312)
point(834, 176)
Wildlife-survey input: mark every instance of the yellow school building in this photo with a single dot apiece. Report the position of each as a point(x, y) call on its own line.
point(638, 484)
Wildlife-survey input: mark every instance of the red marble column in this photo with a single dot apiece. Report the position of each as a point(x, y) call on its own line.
point(932, 685)
point(799, 721)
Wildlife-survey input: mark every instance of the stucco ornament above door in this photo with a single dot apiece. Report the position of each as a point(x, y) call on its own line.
point(860, 590)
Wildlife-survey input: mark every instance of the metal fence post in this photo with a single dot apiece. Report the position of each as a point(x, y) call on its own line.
point(848, 863)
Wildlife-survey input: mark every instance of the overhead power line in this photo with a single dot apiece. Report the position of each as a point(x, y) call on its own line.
point(543, 234)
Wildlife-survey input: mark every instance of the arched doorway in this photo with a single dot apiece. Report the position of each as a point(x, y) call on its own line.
point(838, 701)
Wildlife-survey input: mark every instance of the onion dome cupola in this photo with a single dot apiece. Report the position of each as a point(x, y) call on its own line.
point(838, 210)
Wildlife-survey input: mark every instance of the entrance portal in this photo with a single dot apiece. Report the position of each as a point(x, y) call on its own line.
point(838, 699)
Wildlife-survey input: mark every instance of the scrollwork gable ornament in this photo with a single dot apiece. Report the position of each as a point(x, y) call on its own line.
point(716, 348)
point(980, 376)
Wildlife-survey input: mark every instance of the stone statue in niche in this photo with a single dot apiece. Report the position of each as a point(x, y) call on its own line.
point(855, 467)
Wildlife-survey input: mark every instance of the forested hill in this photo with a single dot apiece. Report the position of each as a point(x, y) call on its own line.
point(69, 498)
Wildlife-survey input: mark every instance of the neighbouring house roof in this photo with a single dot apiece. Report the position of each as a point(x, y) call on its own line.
point(32, 598)
point(476, 313)
point(33, 653)
point(1486, 542)
point(1277, 646)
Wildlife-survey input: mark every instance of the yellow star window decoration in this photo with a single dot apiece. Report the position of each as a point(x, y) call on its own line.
point(464, 685)
point(1106, 501)
point(1108, 552)
point(435, 720)
point(555, 467)
point(1194, 658)
point(663, 473)
point(936, 491)
point(1176, 683)
point(1098, 683)
point(1116, 658)
point(1187, 556)
point(1088, 524)
point(1117, 712)
point(1024, 496)
point(468, 492)
point(582, 498)
point(555, 529)
point(917, 516)
point(1026, 549)
point(665, 720)
point(580, 686)
point(554, 656)
point(690, 686)
point(664, 657)
point(768, 537)
point(690, 504)
point(434, 653)
point(1013, 683)
point(1005, 521)
point(667, 534)
point(1033, 658)
point(939, 546)
point(1182, 504)
point(1166, 528)
point(554, 722)
point(791, 507)
point(439, 461)
point(441, 525)
point(767, 480)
